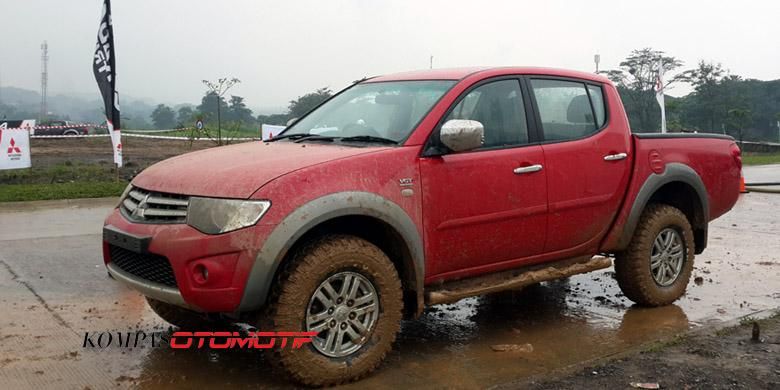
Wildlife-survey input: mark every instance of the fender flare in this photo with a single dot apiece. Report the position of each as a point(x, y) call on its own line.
point(674, 172)
point(315, 212)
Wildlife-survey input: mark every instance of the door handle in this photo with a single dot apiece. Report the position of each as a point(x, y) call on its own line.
point(615, 157)
point(528, 169)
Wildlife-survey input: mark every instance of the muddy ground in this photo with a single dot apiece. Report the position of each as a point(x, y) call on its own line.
point(729, 358)
point(136, 151)
point(91, 159)
point(54, 288)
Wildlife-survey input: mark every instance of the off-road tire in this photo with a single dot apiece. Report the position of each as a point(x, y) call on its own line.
point(632, 267)
point(298, 281)
point(179, 316)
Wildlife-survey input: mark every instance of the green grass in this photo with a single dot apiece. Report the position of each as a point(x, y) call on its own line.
point(26, 192)
point(227, 133)
point(760, 158)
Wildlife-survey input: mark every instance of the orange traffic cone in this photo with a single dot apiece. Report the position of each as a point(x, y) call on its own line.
point(742, 188)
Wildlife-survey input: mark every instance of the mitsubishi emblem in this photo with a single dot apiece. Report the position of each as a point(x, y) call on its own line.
point(139, 210)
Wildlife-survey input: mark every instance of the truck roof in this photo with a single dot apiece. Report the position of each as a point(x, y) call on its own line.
point(461, 73)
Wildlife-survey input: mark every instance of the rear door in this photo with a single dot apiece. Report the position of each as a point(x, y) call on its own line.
point(486, 206)
point(586, 158)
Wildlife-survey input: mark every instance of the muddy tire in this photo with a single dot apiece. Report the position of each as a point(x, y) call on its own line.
point(179, 316)
point(342, 286)
point(655, 268)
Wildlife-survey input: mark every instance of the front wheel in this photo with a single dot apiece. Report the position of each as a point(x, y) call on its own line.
point(348, 291)
point(655, 268)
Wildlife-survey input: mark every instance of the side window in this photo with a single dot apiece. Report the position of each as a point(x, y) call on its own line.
point(499, 107)
point(564, 109)
point(597, 97)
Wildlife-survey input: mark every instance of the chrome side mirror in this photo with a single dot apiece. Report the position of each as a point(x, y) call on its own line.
point(461, 135)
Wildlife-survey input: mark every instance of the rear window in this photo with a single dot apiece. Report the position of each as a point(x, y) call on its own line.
point(597, 97)
point(568, 109)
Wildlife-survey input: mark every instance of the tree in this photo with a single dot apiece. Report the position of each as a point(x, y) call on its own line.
point(273, 119)
point(706, 80)
point(163, 117)
point(208, 106)
point(303, 104)
point(217, 90)
point(777, 122)
point(739, 118)
point(185, 116)
point(636, 80)
point(237, 110)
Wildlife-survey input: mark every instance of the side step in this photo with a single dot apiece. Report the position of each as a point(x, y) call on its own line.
point(454, 291)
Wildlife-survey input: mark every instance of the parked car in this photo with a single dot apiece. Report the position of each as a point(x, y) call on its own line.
point(61, 128)
point(417, 189)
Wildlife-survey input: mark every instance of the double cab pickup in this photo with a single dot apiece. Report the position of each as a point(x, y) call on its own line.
point(417, 189)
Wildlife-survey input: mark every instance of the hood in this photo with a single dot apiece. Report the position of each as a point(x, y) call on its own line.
point(237, 171)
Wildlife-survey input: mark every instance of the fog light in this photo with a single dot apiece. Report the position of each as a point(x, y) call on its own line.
point(214, 272)
point(200, 274)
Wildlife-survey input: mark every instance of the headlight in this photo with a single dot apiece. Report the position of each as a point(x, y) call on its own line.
point(124, 194)
point(215, 216)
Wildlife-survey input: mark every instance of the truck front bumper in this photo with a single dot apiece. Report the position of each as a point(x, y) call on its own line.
point(150, 289)
point(178, 264)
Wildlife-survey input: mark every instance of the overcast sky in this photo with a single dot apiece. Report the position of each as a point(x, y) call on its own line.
point(282, 49)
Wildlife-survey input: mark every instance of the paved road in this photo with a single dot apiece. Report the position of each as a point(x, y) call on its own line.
point(53, 288)
point(762, 173)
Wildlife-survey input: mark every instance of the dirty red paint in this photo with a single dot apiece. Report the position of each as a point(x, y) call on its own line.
point(473, 214)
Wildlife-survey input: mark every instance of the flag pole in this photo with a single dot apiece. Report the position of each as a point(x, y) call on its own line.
point(104, 69)
point(659, 94)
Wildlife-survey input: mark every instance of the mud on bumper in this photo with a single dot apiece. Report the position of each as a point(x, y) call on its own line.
point(177, 264)
point(150, 289)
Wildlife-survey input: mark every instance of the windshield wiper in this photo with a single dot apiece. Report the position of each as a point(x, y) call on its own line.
point(300, 137)
point(368, 138)
point(290, 136)
point(315, 137)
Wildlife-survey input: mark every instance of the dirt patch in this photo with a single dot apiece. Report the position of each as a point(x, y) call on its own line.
point(59, 160)
point(136, 151)
point(717, 360)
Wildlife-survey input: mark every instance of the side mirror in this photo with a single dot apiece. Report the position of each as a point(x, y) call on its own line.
point(461, 135)
point(291, 122)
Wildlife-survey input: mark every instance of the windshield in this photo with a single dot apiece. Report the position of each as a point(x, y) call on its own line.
point(387, 110)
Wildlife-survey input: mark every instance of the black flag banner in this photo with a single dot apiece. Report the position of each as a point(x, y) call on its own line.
point(104, 68)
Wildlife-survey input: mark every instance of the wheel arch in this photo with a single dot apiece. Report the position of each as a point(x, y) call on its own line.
point(678, 186)
point(365, 215)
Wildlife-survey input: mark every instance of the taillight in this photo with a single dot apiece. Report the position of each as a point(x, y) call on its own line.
point(737, 154)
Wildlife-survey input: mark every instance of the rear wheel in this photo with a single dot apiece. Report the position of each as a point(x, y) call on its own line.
point(348, 291)
point(655, 268)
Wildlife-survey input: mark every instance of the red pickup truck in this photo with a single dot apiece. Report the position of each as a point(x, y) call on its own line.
point(417, 189)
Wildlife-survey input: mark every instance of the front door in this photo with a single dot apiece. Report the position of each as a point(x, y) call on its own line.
point(487, 206)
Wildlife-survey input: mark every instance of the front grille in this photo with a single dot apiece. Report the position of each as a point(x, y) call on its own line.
point(151, 267)
point(154, 207)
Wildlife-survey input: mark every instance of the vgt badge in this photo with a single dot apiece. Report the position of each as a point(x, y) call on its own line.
point(406, 182)
point(141, 208)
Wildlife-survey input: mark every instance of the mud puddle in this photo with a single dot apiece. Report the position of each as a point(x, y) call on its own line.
point(50, 274)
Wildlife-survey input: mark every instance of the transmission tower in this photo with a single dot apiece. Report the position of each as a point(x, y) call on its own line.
point(44, 78)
